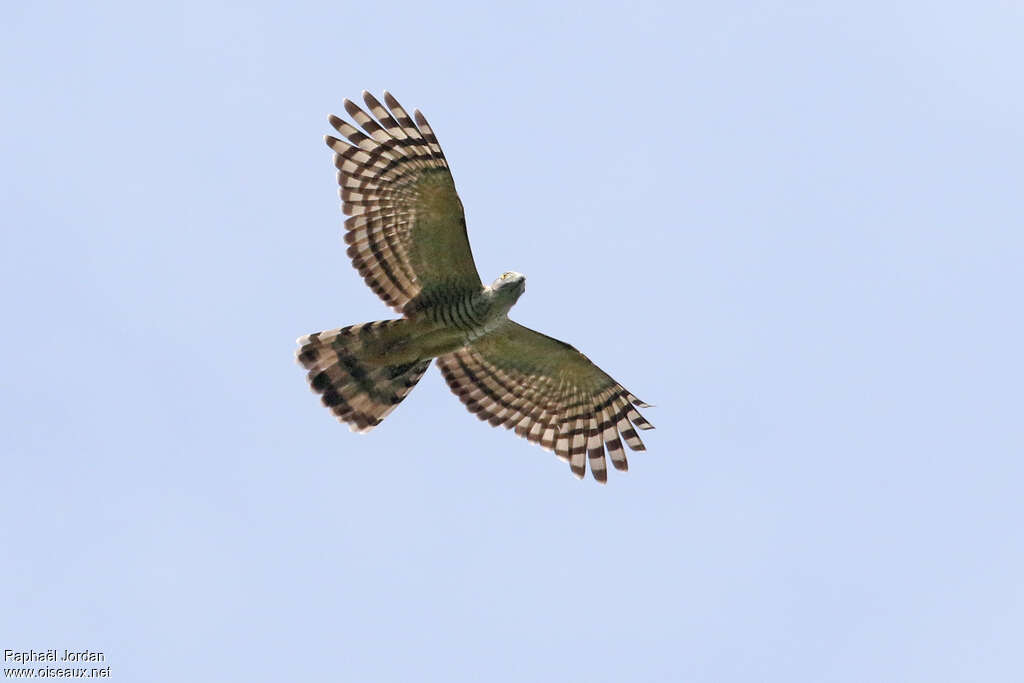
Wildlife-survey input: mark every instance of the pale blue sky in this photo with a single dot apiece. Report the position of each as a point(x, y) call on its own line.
point(794, 227)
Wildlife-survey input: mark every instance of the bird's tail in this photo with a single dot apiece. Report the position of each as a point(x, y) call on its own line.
point(362, 372)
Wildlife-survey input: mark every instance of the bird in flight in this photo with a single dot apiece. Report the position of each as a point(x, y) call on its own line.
point(406, 233)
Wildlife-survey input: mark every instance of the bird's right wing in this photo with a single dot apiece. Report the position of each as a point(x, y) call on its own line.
point(406, 229)
point(550, 393)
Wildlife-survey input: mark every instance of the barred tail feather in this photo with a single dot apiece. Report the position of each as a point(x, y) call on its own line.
point(357, 371)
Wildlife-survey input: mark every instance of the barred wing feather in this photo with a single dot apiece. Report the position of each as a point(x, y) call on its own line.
point(550, 393)
point(406, 227)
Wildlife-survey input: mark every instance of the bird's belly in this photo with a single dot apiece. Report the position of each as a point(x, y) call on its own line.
point(435, 339)
point(439, 341)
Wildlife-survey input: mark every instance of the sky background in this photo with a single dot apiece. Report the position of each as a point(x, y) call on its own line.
point(795, 228)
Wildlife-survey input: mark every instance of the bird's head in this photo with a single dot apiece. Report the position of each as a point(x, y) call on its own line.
point(509, 287)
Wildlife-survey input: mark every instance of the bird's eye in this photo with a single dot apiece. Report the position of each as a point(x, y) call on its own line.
point(505, 276)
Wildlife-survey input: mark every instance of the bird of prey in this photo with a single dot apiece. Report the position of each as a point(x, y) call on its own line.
point(407, 237)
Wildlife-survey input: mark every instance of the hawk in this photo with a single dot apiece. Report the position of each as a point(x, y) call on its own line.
point(407, 237)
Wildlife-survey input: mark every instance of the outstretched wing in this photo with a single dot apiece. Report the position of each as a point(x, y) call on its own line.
point(550, 393)
point(406, 229)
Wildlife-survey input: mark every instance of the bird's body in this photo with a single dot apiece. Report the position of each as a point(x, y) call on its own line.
point(407, 237)
point(475, 314)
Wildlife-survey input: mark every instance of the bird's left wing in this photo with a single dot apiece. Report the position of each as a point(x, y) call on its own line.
point(406, 229)
point(550, 393)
